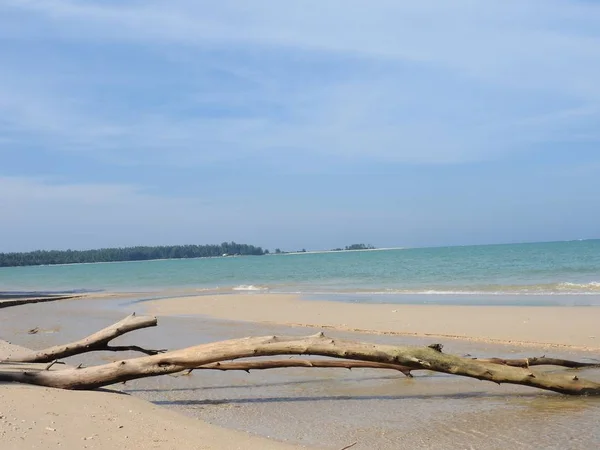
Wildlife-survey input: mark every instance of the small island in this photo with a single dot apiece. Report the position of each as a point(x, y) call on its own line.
point(354, 247)
point(348, 248)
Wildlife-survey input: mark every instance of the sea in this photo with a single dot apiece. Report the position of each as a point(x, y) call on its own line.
point(553, 273)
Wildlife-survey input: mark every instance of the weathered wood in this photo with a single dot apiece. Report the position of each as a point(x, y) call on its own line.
point(247, 366)
point(539, 361)
point(419, 358)
point(95, 342)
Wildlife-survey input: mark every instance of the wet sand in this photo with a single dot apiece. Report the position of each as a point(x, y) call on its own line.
point(330, 408)
point(537, 326)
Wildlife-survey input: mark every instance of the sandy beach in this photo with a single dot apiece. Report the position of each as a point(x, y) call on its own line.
point(299, 225)
point(539, 326)
point(43, 418)
point(301, 408)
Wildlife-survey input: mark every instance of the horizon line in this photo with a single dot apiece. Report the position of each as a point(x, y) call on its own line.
point(296, 251)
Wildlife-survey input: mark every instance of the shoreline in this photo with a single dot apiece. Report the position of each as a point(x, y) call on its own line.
point(542, 326)
point(560, 327)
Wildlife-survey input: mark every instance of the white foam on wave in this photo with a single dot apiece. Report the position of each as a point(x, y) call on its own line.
point(564, 288)
point(592, 286)
point(250, 287)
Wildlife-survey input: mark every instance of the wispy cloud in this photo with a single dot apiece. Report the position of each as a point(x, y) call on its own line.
point(191, 82)
point(505, 41)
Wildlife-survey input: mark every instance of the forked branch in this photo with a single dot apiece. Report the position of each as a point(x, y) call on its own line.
point(417, 358)
point(95, 342)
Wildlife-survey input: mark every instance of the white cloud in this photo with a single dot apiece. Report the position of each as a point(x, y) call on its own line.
point(512, 50)
point(530, 43)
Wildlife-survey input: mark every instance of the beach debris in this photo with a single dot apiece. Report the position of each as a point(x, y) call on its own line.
point(49, 366)
point(349, 446)
point(343, 353)
point(33, 331)
point(436, 347)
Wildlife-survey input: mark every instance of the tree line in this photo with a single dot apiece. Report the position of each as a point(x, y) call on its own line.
point(49, 257)
point(355, 247)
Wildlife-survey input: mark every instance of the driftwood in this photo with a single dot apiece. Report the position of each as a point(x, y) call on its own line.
point(193, 357)
point(18, 300)
point(216, 356)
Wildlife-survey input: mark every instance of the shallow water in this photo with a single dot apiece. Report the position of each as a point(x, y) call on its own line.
point(332, 408)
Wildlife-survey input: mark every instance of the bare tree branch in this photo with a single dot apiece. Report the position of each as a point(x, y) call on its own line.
point(95, 342)
point(247, 366)
point(417, 358)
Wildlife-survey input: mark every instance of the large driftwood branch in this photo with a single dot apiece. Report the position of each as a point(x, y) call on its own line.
point(194, 357)
point(95, 342)
point(99, 342)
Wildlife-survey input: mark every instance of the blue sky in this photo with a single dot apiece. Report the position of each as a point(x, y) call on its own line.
point(309, 124)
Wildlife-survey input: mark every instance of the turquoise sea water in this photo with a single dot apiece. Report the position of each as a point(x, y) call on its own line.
point(561, 269)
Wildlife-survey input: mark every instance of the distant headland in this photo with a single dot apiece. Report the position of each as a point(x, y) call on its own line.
point(348, 248)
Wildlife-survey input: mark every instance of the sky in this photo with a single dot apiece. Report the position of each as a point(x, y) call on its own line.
point(298, 124)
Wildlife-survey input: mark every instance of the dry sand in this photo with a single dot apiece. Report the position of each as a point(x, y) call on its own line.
point(33, 417)
point(539, 326)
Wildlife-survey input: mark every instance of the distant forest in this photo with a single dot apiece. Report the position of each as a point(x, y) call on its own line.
point(50, 257)
point(44, 257)
point(354, 247)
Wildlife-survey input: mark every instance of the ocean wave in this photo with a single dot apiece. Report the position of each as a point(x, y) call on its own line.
point(592, 286)
point(560, 288)
point(249, 287)
point(563, 288)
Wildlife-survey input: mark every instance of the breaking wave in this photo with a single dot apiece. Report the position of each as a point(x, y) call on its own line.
point(564, 288)
point(250, 287)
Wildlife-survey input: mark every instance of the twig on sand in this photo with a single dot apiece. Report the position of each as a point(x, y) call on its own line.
point(349, 446)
